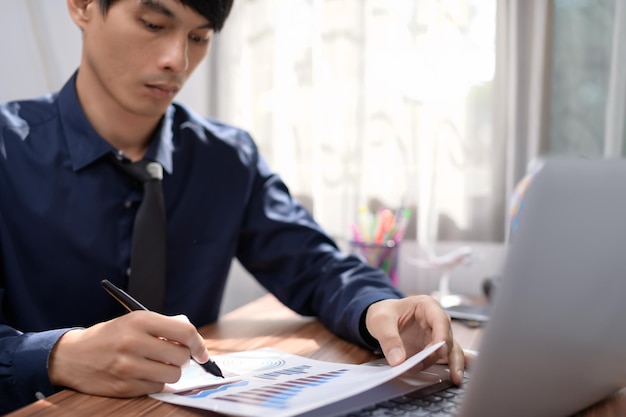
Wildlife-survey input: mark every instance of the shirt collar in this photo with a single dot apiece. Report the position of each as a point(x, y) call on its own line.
point(85, 145)
point(162, 144)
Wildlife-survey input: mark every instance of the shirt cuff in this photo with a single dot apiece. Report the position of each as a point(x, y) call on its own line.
point(30, 364)
point(367, 337)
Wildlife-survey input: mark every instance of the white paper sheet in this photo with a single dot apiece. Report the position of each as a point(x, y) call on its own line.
point(276, 383)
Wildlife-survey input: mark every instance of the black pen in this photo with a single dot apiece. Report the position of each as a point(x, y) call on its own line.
point(131, 304)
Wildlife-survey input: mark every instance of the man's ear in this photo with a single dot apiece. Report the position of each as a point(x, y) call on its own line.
point(81, 11)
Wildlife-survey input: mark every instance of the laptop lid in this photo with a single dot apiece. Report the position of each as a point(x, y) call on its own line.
point(556, 340)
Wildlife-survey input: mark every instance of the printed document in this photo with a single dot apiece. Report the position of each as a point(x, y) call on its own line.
point(272, 382)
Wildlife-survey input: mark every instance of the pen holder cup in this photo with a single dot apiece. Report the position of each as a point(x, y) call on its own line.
point(383, 256)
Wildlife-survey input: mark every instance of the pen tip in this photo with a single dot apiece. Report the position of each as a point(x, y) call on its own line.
point(212, 368)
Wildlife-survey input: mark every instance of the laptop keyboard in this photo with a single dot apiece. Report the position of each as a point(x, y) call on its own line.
point(438, 400)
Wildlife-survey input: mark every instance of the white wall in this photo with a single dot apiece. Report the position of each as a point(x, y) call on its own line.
point(41, 46)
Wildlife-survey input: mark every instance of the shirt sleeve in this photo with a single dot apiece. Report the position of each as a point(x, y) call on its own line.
point(290, 254)
point(23, 356)
point(24, 366)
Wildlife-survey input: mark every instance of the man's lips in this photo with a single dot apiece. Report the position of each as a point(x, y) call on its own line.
point(164, 89)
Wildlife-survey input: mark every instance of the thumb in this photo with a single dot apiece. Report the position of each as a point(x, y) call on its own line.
point(395, 355)
point(385, 330)
point(381, 322)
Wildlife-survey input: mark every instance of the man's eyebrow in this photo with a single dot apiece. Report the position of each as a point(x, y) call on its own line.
point(159, 7)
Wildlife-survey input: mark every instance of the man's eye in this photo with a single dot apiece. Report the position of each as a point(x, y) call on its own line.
point(198, 39)
point(151, 26)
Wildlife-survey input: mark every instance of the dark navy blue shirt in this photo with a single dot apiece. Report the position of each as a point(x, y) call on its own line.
point(66, 216)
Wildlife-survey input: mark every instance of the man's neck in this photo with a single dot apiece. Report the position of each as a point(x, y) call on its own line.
point(127, 132)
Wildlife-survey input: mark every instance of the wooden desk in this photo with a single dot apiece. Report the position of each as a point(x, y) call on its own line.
point(261, 323)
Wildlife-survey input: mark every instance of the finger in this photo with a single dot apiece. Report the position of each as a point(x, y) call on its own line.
point(469, 356)
point(177, 329)
point(200, 354)
point(160, 372)
point(124, 388)
point(140, 369)
point(456, 363)
point(439, 323)
point(141, 387)
point(451, 352)
point(383, 325)
point(181, 317)
point(165, 351)
point(440, 328)
point(194, 342)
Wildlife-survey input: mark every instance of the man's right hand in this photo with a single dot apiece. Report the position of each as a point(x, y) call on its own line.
point(132, 355)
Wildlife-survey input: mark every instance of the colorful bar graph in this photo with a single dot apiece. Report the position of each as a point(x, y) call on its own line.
point(278, 395)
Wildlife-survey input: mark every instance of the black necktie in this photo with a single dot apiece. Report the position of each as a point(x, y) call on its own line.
point(147, 259)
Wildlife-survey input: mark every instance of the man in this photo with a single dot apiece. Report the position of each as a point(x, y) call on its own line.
point(66, 219)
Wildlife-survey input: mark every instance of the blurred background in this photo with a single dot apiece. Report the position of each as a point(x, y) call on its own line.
point(435, 105)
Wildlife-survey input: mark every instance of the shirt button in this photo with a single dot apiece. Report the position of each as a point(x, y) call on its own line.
point(39, 395)
point(128, 272)
point(128, 204)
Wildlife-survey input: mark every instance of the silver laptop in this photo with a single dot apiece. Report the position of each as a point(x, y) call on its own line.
point(556, 340)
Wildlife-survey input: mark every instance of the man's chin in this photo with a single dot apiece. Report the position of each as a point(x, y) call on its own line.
point(153, 111)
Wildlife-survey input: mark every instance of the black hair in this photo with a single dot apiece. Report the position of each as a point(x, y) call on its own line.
point(216, 11)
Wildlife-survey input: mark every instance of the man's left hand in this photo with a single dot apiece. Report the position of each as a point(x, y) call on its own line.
point(406, 326)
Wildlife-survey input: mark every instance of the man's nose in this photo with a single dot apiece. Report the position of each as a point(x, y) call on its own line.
point(175, 55)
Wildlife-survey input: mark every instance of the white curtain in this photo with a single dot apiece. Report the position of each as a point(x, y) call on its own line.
point(439, 106)
point(377, 103)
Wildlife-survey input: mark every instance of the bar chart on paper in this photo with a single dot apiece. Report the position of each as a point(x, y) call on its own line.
point(280, 384)
point(278, 395)
point(273, 376)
